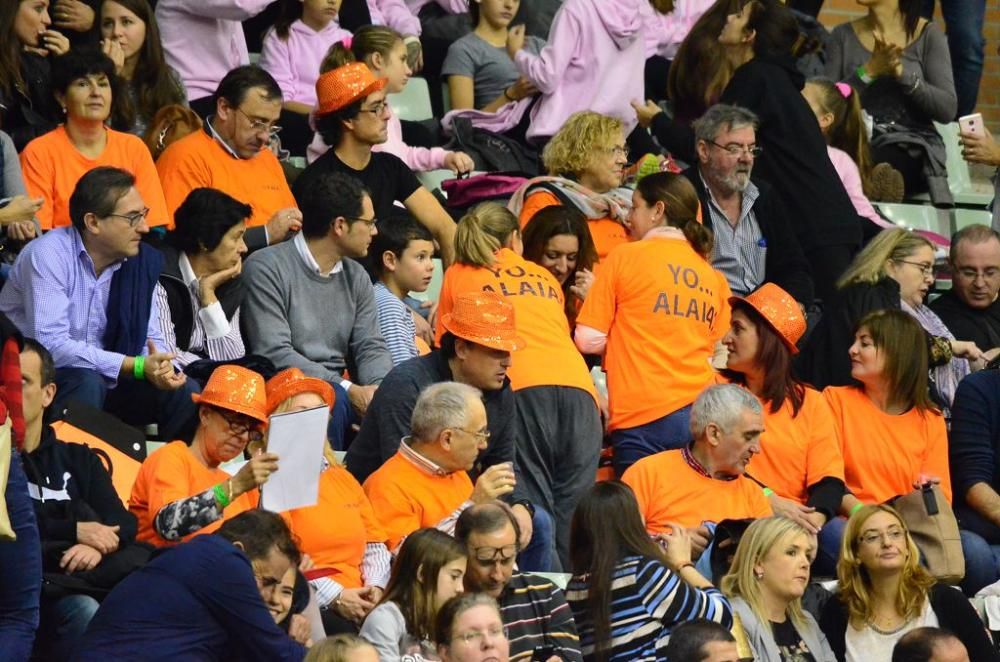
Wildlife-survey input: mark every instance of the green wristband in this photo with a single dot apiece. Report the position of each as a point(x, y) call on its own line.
point(220, 495)
point(863, 75)
point(768, 491)
point(139, 368)
point(856, 508)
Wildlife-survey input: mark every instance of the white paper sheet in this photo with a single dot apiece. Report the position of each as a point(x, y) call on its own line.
point(297, 439)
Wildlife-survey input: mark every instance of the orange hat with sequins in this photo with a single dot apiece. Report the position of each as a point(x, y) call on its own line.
point(344, 85)
point(292, 382)
point(485, 318)
point(237, 389)
point(780, 311)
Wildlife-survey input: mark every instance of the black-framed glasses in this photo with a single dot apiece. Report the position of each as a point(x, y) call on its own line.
point(925, 269)
point(260, 125)
point(476, 636)
point(240, 425)
point(134, 218)
point(503, 554)
point(735, 149)
point(377, 110)
point(371, 223)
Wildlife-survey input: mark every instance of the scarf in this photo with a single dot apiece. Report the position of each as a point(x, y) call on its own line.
point(946, 377)
point(615, 204)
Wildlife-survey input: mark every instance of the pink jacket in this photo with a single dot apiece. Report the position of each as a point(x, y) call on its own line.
point(203, 39)
point(396, 15)
point(594, 60)
point(851, 177)
point(450, 6)
point(294, 62)
point(665, 32)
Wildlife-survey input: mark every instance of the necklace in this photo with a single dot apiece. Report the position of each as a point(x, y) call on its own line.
point(891, 631)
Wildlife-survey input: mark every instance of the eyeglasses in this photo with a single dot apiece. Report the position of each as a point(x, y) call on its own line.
point(241, 425)
point(355, 219)
point(616, 151)
point(477, 636)
point(479, 435)
point(974, 274)
point(134, 218)
point(377, 110)
point(925, 269)
point(260, 125)
point(875, 537)
point(735, 149)
point(503, 554)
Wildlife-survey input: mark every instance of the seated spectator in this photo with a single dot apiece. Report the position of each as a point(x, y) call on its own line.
point(337, 223)
point(701, 640)
point(131, 38)
point(558, 239)
point(755, 242)
point(704, 482)
point(20, 210)
point(426, 574)
point(656, 327)
point(342, 648)
point(86, 531)
point(884, 592)
point(353, 117)
point(532, 609)
point(764, 37)
point(206, 598)
point(180, 491)
point(628, 592)
point(200, 290)
point(770, 572)
point(287, 603)
point(899, 63)
point(469, 626)
point(970, 309)
point(481, 74)
point(86, 293)
point(800, 461)
point(585, 161)
point(383, 50)
point(893, 272)
point(929, 644)
point(558, 425)
point(83, 83)
point(231, 154)
point(350, 560)
point(892, 435)
point(402, 259)
point(27, 109)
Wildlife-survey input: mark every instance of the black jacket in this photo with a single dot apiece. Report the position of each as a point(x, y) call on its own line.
point(785, 264)
point(25, 116)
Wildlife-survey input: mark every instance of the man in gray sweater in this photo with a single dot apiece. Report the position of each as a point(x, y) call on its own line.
point(307, 306)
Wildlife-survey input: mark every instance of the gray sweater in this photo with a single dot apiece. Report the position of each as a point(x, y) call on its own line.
point(296, 317)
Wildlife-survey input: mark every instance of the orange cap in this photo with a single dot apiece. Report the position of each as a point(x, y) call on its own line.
point(292, 382)
point(780, 311)
point(345, 85)
point(484, 318)
point(237, 389)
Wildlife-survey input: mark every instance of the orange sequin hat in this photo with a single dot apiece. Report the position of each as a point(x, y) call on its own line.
point(292, 382)
point(345, 85)
point(780, 311)
point(237, 389)
point(484, 318)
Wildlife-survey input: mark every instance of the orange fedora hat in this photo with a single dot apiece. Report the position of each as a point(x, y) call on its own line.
point(485, 318)
point(344, 85)
point(237, 389)
point(292, 382)
point(780, 311)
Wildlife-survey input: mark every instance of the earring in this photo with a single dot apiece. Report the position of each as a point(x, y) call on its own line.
point(758, 574)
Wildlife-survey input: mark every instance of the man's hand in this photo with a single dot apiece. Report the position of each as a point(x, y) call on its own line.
point(494, 482)
point(22, 230)
point(645, 112)
point(796, 512)
point(207, 285)
point(254, 473)
point(374, 594)
point(73, 15)
point(701, 537)
point(354, 605)
point(282, 223)
point(21, 210)
point(94, 534)
point(459, 162)
point(361, 397)
point(515, 40)
point(524, 523)
point(80, 558)
point(300, 630)
point(160, 371)
point(980, 149)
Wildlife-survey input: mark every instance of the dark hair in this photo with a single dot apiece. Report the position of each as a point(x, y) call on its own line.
point(97, 192)
point(903, 341)
point(238, 82)
point(687, 640)
point(976, 233)
point(47, 371)
point(204, 218)
point(11, 50)
point(328, 196)
point(485, 518)
point(447, 345)
point(918, 645)
point(701, 71)
point(911, 11)
point(366, 41)
point(606, 527)
point(555, 220)
point(289, 11)
point(260, 531)
point(395, 237)
point(681, 207)
point(777, 30)
point(330, 126)
point(848, 131)
point(455, 607)
point(776, 359)
point(85, 61)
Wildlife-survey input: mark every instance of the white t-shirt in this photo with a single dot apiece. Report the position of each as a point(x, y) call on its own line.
point(867, 645)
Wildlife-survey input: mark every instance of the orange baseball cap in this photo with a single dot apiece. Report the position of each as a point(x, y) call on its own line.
point(237, 389)
point(344, 85)
point(780, 311)
point(485, 318)
point(292, 382)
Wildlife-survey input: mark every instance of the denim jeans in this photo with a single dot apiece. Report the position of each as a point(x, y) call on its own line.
point(64, 620)
point(828, 547)
point(982, 562)
point(20, 570)
point(540, 554)
point(666, 433)
point(963, 21)
point(341, 417)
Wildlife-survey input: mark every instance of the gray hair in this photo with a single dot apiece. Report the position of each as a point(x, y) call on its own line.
point(441, 406)
point(723, 117)
point(722, 404)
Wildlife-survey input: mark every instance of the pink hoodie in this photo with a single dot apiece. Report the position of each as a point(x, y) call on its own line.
point(450, 6)
point(594, 60)
point(294, 62)
point(396, 15)
point(665, 32)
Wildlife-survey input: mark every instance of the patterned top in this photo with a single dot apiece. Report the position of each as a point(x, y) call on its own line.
point(395, 321)
point(739, 252)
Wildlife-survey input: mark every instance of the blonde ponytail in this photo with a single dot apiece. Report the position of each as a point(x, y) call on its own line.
point(482, 232)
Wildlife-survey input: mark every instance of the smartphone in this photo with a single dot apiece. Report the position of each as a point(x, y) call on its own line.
point(971, 125)
point(543, 653)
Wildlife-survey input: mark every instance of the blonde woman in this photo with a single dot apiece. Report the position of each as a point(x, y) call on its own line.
point(884, 593)
point(765, 584)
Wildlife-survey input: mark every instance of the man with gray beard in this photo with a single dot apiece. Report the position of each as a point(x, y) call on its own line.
point(754, 239)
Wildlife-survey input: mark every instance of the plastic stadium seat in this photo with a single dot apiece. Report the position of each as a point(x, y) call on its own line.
point(917, 217)
point(414, 102)
point(966, 217)
point(432, 178)
point(966, 192)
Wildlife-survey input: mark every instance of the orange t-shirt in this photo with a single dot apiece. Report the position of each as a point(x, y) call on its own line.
point(798, 452)
point(335, 531)
point(607, 233)
point(52, 166)
point(670, 491)
point(172, 473)
point(407, 497)
point(549, 357)
point(198, 160)
point(663, 308)
point(885, 454)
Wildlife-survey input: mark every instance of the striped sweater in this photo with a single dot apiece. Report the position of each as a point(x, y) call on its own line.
point(647, 601)
point(535, 613)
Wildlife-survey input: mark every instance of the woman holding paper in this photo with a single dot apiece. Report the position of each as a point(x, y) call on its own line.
point(340, 533)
